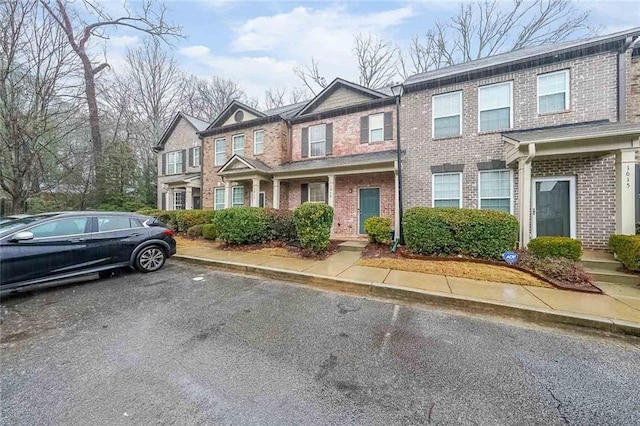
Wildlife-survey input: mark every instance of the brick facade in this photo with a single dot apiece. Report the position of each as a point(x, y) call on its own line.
point(633, 88)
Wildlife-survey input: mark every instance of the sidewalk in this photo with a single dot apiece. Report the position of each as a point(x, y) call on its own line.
point(617, 310)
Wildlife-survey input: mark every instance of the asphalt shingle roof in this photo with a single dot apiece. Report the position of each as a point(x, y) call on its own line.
point(577, 131)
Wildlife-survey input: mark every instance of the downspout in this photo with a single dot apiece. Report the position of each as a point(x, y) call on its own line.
point(524, 181)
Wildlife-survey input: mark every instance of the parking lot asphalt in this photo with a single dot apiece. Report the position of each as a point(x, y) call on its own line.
point(190, 345)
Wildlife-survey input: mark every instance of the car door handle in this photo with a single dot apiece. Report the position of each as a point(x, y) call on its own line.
point(76, 240)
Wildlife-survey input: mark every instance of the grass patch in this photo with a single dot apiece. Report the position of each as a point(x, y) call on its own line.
point(472, 270)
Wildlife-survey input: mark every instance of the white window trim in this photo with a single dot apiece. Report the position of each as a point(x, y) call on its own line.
point(195, 157)
point(324, 141)
point(178, 155)
point(433, 187)
point(216, 152)
point(215, 190)
point(184, 199)
point(309, 192)
point(233, 189)
point(572, 202)
point(433, 115)
point(376, 128)
point(510, 83)
point(255, 152)
point(233, 143)
point(567, 97)
point(480, 197)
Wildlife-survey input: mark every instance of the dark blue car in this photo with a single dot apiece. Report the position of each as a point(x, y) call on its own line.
point(52, 246)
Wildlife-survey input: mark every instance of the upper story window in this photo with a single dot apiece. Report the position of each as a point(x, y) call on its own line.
point(495, 107)
point(447, 115)
point(495, 190)
point(220, 152)
point(317, 140)
point(218, 194)
point(376, 128)
point(238, 144)
point(174, 163)
point(258, 142)
point(447, 190)
point(237, 196)
point(317, 192)
point(553, 92)
point(195, 157)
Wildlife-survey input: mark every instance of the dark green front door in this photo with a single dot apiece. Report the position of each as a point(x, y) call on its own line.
point(369, 205)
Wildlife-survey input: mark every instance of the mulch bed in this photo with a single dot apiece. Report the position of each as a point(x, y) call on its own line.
point(375, 251)
point(294, 250)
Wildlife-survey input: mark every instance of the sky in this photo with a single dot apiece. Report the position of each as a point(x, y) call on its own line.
point(259, 43)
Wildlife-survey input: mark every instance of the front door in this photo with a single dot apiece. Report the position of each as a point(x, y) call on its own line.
point(553, 207)
point(369, 206)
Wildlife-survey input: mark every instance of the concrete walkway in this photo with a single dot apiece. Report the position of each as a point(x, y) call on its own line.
point(618, 307)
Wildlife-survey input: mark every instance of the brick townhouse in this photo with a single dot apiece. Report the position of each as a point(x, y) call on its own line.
point(549, 134)
point(338, 148)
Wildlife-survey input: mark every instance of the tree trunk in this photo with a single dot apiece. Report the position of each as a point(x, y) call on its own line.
point(94, 125)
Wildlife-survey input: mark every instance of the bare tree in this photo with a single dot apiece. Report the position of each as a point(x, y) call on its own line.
point(149, 19)
point(488, 27)
point(311, 77)
point(376, 60)
point(206, 98)
point(298, 95)
point(275, 97)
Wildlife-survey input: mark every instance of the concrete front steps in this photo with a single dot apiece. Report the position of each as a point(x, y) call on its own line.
point(353, 245)
point(604, 268)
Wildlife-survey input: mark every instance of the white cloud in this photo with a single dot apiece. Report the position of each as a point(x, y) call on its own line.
point(195, 51)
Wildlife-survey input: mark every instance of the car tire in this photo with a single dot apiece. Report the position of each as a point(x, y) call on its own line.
point(150, 259)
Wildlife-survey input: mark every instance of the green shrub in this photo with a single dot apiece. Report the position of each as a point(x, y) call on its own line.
point(195, 231)
point(470, 232)
point(378, 230)
point(627, 250)
point(280, 225)
point(149, 211)
point(241, 225)
point(209, 231)
point(185, 219)
point(168, 217)
point(313, 226)
point(566, 247)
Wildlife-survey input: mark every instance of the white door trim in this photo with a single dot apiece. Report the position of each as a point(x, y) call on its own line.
point(572, 202)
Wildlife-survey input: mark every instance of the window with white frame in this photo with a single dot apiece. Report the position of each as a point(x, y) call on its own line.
point(218, 194)
point(495, 190)
point(196, 156)
point(447, 115)
point(447, 190)
point(376, 128)
point(238, 144)
point(237, 196)
point(553, 92)
point(258, 142)
point(220, 152)
point(318, 192)
point(317, 140)
point(178, 200)
point(174, 162)
point(494, 107)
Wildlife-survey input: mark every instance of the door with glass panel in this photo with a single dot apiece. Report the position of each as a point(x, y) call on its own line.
point(553, 207)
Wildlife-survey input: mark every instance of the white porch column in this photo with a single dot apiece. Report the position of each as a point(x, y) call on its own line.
point(255, 193)
point(188, 198)
point(524, 201)
point(625, 191)
point(276, 193)
point(169, 195)
point(332, 190)
point(396, 216)
point(227, 194)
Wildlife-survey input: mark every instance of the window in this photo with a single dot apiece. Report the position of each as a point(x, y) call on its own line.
point(447, 115)
point(376, 128)
point(237, 198)
point(317, 140)
point(221, 152)
point(553, 92)
point(195, 160)
point(238, 144)
point(218, 194)
point(317, 192)
point(61, 227)
point(258, 142)
point(174, 162)
point(115, 223)
point(495, 190)
point(446, 190)
point(178, 200)
point(494, 107)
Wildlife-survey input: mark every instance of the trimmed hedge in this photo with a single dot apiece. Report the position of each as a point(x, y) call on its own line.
point(469, 232)
point(280, 225)
point(378, 230)
point(195, 231)
point(209, 231)
point(566, 247)
point(313, 226)
point(627, 250)
point(185, 219)
point(241, 225)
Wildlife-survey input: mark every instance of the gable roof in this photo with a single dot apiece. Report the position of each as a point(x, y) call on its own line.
point(229, 110)
point(251, 164)
point(526, 55)
point(332, 87)
point(197, 124)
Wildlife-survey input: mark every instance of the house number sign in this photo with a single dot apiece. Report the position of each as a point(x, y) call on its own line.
point(628, 174)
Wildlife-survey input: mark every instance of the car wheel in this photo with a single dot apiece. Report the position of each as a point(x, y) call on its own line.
point(150, 259)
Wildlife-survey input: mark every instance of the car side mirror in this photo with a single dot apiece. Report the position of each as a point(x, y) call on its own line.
point(22, 236)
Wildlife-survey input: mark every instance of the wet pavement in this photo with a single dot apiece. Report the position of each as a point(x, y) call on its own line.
point(189, 345)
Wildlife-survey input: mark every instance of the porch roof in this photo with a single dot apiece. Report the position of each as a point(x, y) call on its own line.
point(384, 159)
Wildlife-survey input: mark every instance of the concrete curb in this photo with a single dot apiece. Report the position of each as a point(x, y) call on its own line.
point(409, 294)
